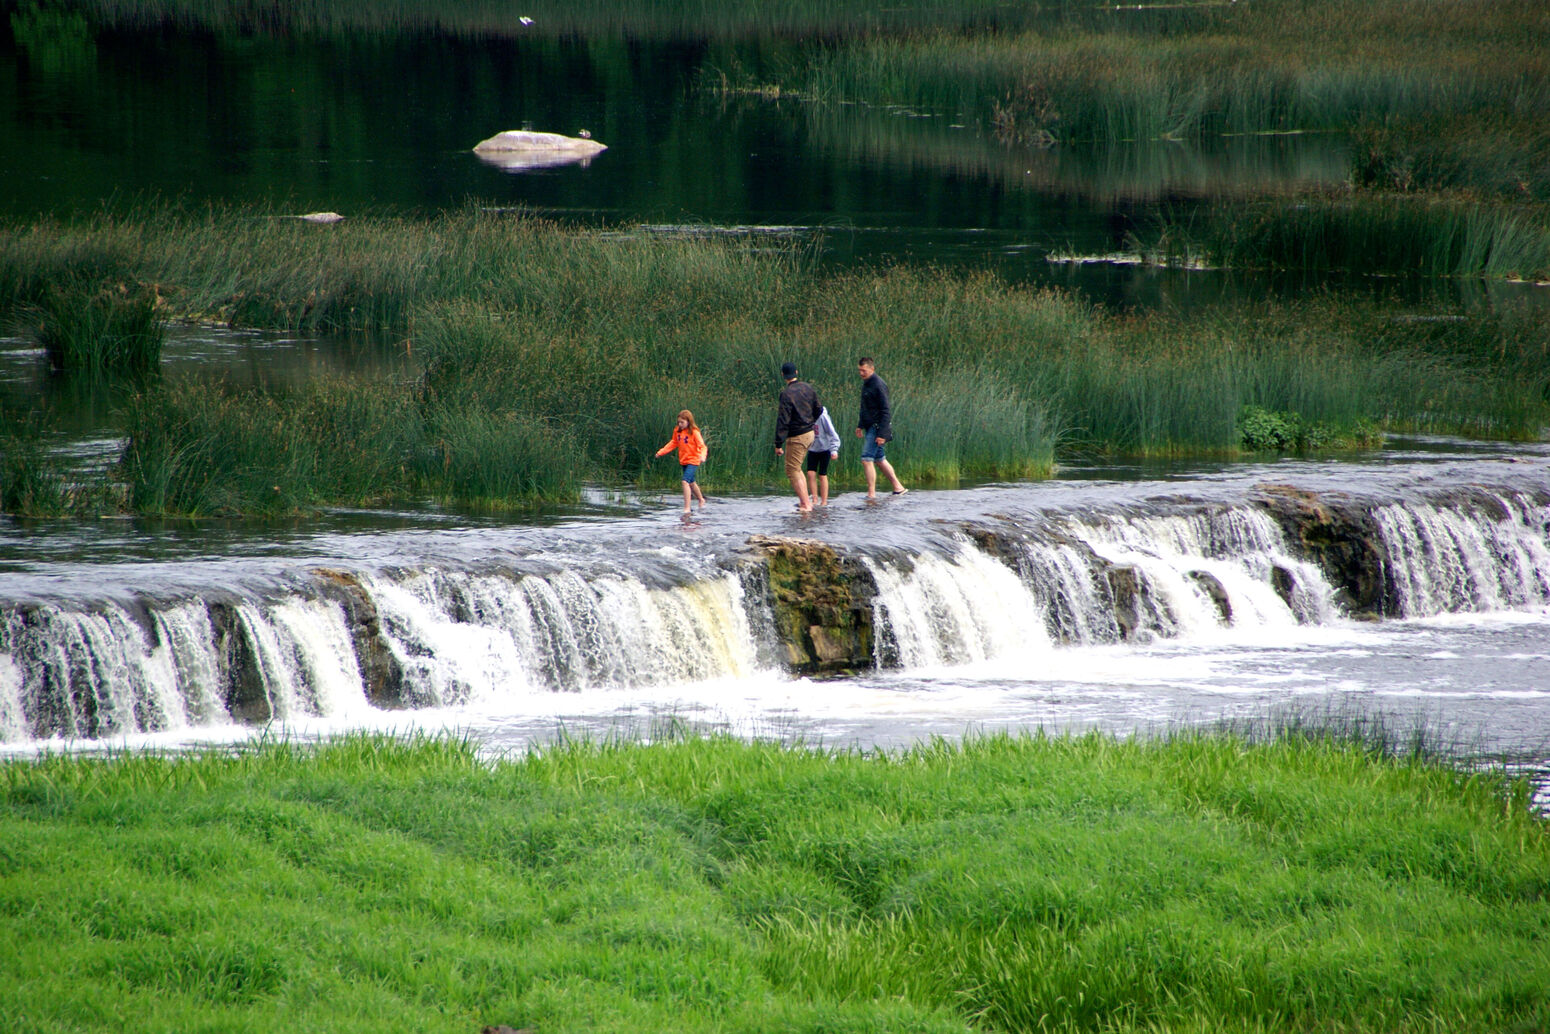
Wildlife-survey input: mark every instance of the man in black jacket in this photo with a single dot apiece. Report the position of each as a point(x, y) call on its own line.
point(875, 428)
point(794, 424)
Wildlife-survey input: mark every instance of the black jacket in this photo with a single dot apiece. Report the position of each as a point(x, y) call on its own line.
point(875, 411)
point(798, 411)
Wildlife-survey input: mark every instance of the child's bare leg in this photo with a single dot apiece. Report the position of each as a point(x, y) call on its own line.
point(823, 488)
point(687, 487)
point(812, 486)
point(698, 494)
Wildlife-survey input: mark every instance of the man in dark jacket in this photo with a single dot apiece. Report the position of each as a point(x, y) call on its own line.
point(875, 428)
point(794, 430)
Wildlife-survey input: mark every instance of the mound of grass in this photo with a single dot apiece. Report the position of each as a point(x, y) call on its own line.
point(112, 332)
point(1007, 884)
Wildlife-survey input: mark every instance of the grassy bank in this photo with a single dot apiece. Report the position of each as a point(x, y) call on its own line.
point(1204, 883)
point(548, 357)
point(1278, 66)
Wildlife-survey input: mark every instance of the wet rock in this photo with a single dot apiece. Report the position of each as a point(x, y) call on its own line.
point(822, 602)
point(381, 672)
point(1212, 587)
point(1125, 588)
point(247, 700)
point(1285, 584)
point(1341, 535)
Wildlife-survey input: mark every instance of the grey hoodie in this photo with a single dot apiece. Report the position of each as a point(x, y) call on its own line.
point(827, 439)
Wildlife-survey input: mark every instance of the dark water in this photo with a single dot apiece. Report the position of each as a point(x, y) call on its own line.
point(385, 122)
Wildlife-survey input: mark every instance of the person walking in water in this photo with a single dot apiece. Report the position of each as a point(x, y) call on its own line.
point(691, 453)
point(875, 428)
point(826, 447)
point(795, 419)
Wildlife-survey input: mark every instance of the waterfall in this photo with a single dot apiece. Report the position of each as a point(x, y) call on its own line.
point(463, 637)
point(934, 610)
point(344, 644)
point(1198, 572)
point(1442, 560)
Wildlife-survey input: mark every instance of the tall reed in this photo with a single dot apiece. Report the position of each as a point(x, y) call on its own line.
point(97, 332)
point(1319, 234)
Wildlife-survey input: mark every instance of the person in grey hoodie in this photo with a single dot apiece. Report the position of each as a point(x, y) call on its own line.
point(825, 447)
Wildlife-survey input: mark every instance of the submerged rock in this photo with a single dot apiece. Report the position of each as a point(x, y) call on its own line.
point(382, 675)
point(247, 699)
point(1213, 587)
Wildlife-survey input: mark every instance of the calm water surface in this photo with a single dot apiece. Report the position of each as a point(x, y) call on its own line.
point(385, 122)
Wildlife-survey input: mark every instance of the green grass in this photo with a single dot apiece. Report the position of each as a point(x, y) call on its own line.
point(1366, 233)
point(1277, 66)
point(549, 357)
point(1199, 883)
point(100, 333)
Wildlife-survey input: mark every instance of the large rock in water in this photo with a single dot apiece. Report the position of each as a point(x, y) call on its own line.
point(525, 149)
point(823, 605)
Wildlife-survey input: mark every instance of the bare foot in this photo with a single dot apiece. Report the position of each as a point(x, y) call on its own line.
point(900, 491)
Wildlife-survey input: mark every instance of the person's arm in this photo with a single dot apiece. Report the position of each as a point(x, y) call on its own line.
point(783, 418)
point(884, 419)
point(700, 448)
point(672, 443)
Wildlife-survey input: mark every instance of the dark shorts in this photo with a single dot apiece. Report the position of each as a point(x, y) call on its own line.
point(871, 452)
point(818, 462)
point(690, 469)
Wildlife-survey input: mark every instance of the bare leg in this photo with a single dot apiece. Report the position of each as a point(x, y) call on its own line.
point(698, 494)
point(799, 486)
point(812, 485)
point(898, 488)
point(871, 478)
point(823, 490)
point(687, 486)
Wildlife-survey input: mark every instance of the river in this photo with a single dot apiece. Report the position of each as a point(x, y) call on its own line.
point(1120, 597)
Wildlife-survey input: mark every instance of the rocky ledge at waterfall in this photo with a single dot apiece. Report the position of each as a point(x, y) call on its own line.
point(439, 620)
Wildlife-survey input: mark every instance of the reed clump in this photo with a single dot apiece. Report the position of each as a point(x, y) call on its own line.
point(97, 332)
point(1366, 233)
point(1207, 70)
point(1030, 883)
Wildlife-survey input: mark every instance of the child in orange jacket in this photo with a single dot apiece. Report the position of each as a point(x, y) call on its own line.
point(691, 453)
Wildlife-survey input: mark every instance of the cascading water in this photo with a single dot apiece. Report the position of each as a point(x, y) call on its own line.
point(483, 632)
point(462, 637)
point(1443, 560)
point(933, 610)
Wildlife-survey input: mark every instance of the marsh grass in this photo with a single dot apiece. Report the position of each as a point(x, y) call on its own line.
point(493, 19)
point(1319, 234)
point(550, 357)
point(1203, 881)
point(99, 333)
point(1209, 70)
point(31, 483)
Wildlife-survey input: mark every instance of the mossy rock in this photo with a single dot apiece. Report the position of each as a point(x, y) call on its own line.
point(823, 605)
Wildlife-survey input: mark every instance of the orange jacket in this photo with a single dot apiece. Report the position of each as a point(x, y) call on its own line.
point(691, 447)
